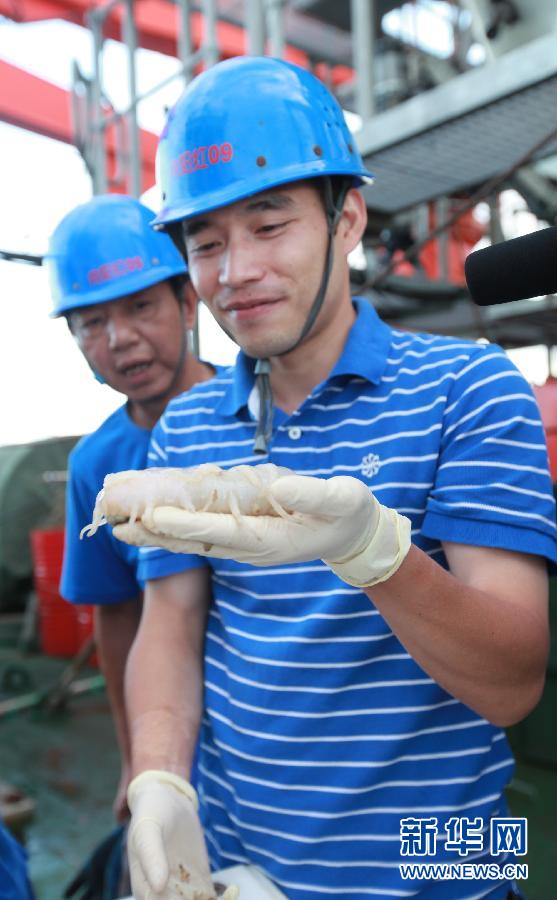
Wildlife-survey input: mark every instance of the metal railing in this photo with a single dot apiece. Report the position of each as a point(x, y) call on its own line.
point(92, 115)
point(264, 22)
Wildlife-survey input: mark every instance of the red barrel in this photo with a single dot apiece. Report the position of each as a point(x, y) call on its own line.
point(63, 627)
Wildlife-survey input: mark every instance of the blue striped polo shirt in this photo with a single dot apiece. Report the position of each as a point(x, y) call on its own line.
point(322, 739)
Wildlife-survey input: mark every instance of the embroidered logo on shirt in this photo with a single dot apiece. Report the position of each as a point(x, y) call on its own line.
point(370, 465)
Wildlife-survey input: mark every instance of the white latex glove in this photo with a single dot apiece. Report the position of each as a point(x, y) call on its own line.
point(335, 519)
point(166, 848)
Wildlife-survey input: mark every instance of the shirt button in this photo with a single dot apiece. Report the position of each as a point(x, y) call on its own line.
point(294, 433)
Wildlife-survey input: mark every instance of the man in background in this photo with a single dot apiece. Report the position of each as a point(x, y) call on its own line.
point(124, 291)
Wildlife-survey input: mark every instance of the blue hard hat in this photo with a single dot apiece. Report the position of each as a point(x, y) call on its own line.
point(105, 249)
point(246, 125)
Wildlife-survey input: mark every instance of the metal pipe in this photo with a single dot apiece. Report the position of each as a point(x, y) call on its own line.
point(120, 170)
point(98, 156)
point(495, 229)
point(210, 43)
point(185, 40)
point(442, 210)
point(78, 101)
point(275, 26)
point(477, 28)
point(255, 27)
point(40, 697)
point(129, 34)
point(103, 12)
point(363, 19)
point(113, 117)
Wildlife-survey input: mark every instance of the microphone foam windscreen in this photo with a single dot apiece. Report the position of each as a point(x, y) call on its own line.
point(514, 270)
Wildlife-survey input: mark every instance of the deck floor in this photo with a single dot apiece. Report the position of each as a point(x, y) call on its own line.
point(68, 763)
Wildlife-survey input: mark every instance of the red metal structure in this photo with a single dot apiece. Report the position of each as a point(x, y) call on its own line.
point(156, 22)
point(30, 102)
point(37, 105)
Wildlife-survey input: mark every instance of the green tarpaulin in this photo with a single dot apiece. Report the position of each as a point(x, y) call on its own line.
point(32, 488)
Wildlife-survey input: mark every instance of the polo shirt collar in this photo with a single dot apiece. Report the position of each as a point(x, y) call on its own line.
point(364, 355)
point(367, 346)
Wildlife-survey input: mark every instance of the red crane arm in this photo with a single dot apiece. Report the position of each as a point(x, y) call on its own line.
point(37, 105)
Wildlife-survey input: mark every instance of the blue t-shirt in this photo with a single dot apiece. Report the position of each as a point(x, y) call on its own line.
point(324, 745)
point(14, 881)
point(100, 569)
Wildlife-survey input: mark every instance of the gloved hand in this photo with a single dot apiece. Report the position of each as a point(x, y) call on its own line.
point(166, 848)
point(335, 519)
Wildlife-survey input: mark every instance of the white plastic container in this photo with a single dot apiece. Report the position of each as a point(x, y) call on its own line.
point(252, 883)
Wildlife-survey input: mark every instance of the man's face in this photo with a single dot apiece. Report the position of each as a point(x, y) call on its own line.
point(258, 264)
point(136, 343)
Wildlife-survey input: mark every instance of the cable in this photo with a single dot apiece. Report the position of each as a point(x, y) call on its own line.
point(14, 256)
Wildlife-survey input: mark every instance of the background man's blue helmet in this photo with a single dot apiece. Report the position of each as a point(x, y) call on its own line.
point(246, 125)
point(105, 249)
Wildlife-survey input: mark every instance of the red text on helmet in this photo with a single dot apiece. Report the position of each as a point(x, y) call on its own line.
point(201, 158)
point(115, 269)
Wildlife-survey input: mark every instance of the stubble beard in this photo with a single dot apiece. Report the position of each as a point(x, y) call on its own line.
point(276, 344)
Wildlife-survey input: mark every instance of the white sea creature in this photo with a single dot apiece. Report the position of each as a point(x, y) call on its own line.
point(240, 491)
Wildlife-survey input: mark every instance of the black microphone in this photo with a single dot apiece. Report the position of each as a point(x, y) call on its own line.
point(518, 269)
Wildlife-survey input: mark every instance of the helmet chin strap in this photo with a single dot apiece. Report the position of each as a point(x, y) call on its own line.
point(333, 211)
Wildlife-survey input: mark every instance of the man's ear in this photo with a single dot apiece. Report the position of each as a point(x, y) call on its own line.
point(353, 220)
point(190, 304)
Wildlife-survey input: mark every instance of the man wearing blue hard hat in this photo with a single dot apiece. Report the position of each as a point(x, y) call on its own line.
point(357, 659)
point(124, 291)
